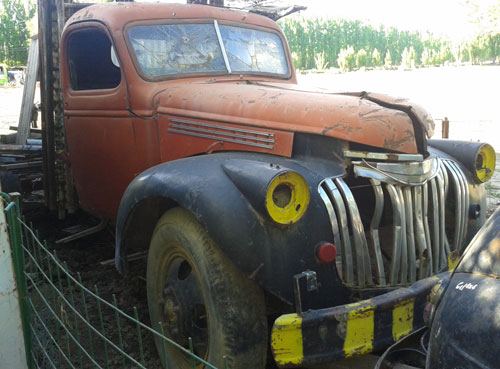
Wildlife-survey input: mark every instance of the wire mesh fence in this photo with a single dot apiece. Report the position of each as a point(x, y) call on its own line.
point(68, 325)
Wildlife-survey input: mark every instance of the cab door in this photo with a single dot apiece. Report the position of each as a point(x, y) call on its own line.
point(98, 123)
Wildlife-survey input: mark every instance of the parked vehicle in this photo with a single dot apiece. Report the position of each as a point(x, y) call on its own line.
point(19, 74)
point(462, 315)
point(6, 76)
point(465, 325)
point(324, 215)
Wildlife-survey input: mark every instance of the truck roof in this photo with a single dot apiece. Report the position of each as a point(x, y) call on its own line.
point(116, 15)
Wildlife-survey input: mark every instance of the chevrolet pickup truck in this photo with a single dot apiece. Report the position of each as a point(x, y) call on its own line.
point(282, 223)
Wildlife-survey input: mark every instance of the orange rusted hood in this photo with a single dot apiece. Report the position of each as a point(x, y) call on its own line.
point(351, 117)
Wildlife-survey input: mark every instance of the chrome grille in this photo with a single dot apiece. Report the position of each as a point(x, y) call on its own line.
point(418, 245)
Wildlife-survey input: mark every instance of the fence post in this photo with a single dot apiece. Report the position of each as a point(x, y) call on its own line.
point(12, 344)
point(445, 128)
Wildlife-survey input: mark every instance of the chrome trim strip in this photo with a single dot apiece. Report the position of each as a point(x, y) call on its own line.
point(223, 48)
point(374, 231)
point(270, 147)
point(418, 215)
point(465, 203)
point(382, 156)
point(344, 230)
point(396, 242)
point(407, 174)
point(427, 229)
point(336, 235)
point(446, 180)
point(241, 130)
point(426, 167)
point(435, 226)
point(410, 235)
point(404, 246)
point(442, 232)
point(458, 202)
point(458, 173)
point(363, 265)
point(222, 133)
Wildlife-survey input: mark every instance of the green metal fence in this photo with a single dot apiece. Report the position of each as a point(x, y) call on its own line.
point(68, 325)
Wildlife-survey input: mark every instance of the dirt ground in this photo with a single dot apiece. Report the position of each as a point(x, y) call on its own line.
point(465, 95)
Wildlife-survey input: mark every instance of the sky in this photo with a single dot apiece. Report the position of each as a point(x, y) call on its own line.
point(446, 17)
point(441, 17)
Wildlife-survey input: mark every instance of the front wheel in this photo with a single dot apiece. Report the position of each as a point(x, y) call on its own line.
point(195, 291)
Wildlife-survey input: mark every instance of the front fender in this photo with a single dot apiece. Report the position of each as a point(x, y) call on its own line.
point(221, 198)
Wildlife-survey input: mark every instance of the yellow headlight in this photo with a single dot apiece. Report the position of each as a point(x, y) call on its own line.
point(485, 163)
point(287, 198)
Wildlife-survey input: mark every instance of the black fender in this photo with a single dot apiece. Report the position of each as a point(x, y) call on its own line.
point(222, 191)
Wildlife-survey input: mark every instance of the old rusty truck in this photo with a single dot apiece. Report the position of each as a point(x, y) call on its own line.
point(283, 224)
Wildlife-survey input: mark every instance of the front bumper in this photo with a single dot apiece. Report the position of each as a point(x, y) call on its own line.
point(326, 335)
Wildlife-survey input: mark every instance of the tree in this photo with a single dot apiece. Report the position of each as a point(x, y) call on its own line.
point(14, 33)
point(410, 58)
point(388, 60)
point(347, 59)
point(362, 58)
point(427, 56)
point(319, 60)
point(487, 18)
point(376, 58)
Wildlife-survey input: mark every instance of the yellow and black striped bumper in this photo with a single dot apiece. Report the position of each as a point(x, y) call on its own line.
point(326, 335)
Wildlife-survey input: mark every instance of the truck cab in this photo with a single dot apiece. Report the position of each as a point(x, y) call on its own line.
point(260, 202)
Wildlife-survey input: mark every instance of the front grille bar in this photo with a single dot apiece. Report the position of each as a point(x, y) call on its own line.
point(341, 212)
point(374, 232)
point(364, 270)
point(419, 241)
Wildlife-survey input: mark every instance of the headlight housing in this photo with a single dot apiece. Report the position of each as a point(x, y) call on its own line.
point(287, 197)
point(485, 163)
point(478, 157)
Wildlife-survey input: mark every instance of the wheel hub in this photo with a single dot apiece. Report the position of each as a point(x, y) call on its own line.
point(183, 307)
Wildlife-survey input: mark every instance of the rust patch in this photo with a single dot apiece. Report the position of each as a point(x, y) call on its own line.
point(393, 143)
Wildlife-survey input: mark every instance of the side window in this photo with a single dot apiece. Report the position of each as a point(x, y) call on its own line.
point(90, 62)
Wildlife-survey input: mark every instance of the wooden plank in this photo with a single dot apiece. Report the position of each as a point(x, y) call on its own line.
point(23, 129)
point(77, 6)
point(6, 148)
point(29, 164)
point(32, 130)
point(45, 9)
point(61, 19)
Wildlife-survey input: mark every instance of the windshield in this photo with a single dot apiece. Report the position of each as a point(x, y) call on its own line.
point(168, 49)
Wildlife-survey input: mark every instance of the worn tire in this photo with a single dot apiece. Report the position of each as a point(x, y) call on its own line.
point(234, 306)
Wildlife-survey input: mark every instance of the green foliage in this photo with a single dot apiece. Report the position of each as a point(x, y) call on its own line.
point(428, 57)
point(487, 18)
point(376, 61)
point(316, 42)
point(14, 33)
point(408, 57)
point(321, 63)
point(388, 60)
point(362, 59)
point(347, 59)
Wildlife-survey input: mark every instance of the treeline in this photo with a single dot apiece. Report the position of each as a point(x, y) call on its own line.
point(14, 30)
point(349, 45)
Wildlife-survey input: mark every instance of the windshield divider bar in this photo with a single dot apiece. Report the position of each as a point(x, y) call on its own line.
point(221, 43)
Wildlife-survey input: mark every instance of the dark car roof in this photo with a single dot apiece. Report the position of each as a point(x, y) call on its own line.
point(482, 256)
